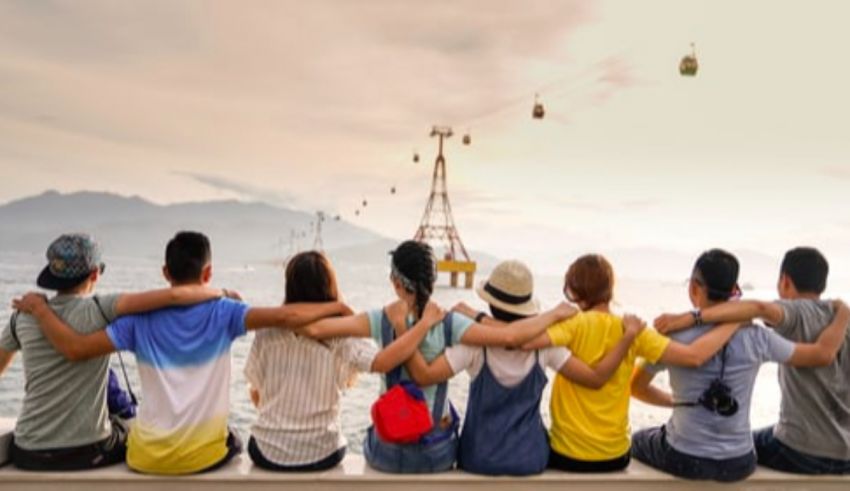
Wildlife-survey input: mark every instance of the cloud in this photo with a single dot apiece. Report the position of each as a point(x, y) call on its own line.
point(243, 190)
point(835, 171)
point(607, 207)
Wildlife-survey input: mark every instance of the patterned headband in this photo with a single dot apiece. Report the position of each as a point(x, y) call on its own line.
point(406, 282)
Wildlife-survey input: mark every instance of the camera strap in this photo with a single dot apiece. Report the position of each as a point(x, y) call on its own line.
point(120, 358)
point(722, 375)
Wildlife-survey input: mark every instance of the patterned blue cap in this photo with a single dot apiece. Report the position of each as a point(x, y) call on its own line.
point(70, 259)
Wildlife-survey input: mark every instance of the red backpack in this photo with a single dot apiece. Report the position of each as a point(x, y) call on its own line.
point(401, 414)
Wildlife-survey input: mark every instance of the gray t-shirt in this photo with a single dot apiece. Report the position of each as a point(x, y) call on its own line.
point(64, 402)
point(696, 430)
point(814, 417)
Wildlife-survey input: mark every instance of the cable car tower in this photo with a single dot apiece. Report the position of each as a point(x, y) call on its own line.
point(438, 225)
point(318, 244)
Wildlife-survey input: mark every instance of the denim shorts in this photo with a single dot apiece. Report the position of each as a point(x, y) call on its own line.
point(413, 458)
point(650, 446)
point(776, 455)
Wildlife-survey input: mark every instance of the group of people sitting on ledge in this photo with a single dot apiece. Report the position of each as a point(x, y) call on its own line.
point(307, 352)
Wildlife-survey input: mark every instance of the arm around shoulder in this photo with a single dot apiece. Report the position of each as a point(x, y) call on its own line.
point(292, 316)
point(823, 351)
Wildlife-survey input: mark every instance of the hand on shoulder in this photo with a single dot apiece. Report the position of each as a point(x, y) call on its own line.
point(30, 302)
point(565, 310)
point(633, 325)
point(667, 323)
point(433, 314)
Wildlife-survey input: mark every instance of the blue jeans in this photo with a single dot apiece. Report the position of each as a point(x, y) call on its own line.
point(650, 446)
point(776, 455)
point(415, 458)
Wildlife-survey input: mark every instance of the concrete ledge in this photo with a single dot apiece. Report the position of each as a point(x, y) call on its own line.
point(353, 474)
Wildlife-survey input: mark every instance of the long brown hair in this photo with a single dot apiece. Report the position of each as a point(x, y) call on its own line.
point(310, 278)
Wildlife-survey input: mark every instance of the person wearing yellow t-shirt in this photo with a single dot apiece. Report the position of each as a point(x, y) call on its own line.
point(590, 428)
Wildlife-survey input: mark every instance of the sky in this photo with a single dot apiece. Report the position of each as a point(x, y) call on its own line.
point(320, 105)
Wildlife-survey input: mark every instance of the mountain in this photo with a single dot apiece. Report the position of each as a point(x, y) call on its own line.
point(135, 227)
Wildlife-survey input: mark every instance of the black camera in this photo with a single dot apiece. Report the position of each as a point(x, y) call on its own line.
point(718, 398)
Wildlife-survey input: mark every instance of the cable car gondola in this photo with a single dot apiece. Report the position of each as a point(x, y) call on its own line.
point(689, 65)
point(365, 203)
point(537, 112)
point(467, 139)
point(392, 190)
point(415, 157)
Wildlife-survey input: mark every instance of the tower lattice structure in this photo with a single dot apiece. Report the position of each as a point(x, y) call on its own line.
point(437, 225)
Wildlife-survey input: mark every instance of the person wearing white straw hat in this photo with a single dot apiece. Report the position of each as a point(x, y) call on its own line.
point(503, 432)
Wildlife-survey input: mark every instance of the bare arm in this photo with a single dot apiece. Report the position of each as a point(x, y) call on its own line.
point(823, 351)
point(541, 341)
point(643, 390)
point(293, 316)
point(597, 376)
point(406, 345)
point(734, 311)
point(519, 332)
point(356, 326)
point(425, 374)
point(701, 350)
point(71, 344)
point(137, 303)
point(5, 359)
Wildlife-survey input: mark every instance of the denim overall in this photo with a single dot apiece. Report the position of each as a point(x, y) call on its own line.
point(436, 451)
point(503, 433)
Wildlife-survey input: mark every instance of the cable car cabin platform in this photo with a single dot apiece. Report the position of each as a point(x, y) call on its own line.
point(456, 268)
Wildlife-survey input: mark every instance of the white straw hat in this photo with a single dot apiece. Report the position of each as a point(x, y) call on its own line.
point(510, 288)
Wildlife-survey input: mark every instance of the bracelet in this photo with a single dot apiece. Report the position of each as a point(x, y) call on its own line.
point(480, 317)
point(697, 315)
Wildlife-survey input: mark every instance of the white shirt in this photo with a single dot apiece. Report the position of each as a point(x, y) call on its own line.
point(509, 367)
point(301, 382)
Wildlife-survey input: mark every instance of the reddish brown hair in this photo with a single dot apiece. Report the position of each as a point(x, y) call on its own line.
point(590, 278)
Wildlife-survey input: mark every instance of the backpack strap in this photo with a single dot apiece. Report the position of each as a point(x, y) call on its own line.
point(120, 358)
point(13, 328)
point(443, 387)
point(387, 337)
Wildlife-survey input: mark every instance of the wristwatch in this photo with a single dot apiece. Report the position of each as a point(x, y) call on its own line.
point(697, 315)
point(480, 317)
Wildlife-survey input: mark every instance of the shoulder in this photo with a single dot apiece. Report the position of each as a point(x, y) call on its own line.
point(460, 321)
point(555, 357)
point(462, 357)
point(685, 336)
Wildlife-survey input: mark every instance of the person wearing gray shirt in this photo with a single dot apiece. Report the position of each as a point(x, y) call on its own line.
point(709, 435)
point(812, 435)
point(64, 423)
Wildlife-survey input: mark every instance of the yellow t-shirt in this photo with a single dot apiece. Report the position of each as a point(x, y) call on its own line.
point(593, 425)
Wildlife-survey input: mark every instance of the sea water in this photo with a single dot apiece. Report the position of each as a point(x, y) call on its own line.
point(364, 286)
